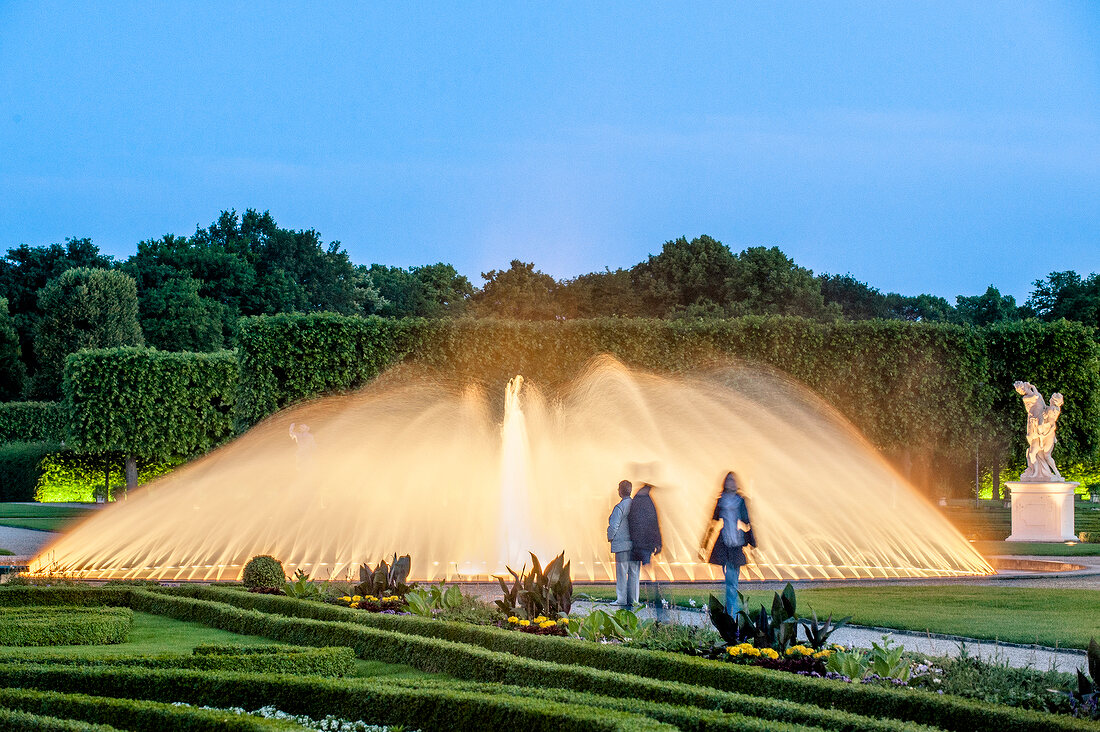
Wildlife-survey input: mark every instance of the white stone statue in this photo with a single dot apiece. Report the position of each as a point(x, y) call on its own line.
point(1042, 423)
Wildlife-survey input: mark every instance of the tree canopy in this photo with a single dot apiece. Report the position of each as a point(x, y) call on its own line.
point(192, 290)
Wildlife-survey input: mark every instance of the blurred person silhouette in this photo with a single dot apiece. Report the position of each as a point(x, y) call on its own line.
point(618, 533)
point(736, 533)
point(645, 532)
point(305, 457)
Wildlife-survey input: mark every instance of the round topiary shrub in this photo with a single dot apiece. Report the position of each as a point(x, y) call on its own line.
point(263, 573)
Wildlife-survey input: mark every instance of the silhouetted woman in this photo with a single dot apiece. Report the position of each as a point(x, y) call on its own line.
point(736, 534)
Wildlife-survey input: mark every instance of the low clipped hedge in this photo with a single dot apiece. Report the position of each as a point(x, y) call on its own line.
point(472, 662)
point(128, 714)
point(64, 626)
point(377, 702)
point(613, 670)
point(684, 718)
point(327, 661)
point(27, 722)
point(12, 595)
point(505, 657)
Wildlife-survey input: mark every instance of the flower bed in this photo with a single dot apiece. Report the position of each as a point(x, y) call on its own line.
point(389, 604)
point(540, 625)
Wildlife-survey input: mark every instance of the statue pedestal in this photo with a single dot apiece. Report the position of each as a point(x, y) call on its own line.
point(1042, 511)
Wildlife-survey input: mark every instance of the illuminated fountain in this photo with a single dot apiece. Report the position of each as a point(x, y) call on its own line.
point(412, 465)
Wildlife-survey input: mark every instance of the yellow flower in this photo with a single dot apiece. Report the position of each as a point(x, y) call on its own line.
point(823, 654)
point(357, 598)
point(513, 619)
point(801, 650)
point(371, 598)
point(354, 604)
point(540, 619)
point(769, 653)
point(564, 621)
point(734, 651)
point(345, 598)
point(525, 623)
point(547, 624)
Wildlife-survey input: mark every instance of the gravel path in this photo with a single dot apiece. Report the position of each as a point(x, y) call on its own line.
point(24, 542)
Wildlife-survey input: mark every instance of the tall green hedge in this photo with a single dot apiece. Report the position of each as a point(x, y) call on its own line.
point(31, 422)
point(286, 358)
point(906, 385)
point(1060, 356)
point(149, 403)
point(21, 468)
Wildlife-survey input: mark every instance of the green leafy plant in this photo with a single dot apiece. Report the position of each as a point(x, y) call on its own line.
point(386, 578)
point(263, 572)
point(1086, 699)
point(729, 627)
point(817, 633)
point(777, 629)
point(887, 660)
point(427, 601)
point(853, 664)
point(419, 603)
point(601, 625)
point(302, 589)
point(546, 592)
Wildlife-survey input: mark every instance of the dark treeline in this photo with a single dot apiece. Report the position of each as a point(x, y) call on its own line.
point(186, 293)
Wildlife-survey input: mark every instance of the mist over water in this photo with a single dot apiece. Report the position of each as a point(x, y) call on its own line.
point(410, 464)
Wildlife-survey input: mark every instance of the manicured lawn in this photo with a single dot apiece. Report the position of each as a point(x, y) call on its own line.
point(1066, 618)
point(40, 516)
point(1033, 549)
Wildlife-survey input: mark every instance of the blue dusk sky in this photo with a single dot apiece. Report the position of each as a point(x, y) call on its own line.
point(922, 146)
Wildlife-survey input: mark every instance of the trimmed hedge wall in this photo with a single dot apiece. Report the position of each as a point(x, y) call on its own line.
point(21, 468)
point(149, 403)
point(287, 358)
point(906, 385)
point(1060, 356)
point(430, 709)
point(31, 422)
point(128, 714)
point(64, 626)
point(613, 670)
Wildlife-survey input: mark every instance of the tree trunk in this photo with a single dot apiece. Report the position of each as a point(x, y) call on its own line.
point(995, 473)
point(106, 482)
point(131, 473)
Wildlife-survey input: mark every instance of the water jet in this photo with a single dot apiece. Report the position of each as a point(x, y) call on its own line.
point(416, 465)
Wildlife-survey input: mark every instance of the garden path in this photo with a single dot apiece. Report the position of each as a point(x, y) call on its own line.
point(24, 542)
point(1017, 656)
